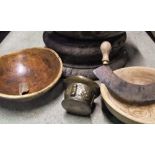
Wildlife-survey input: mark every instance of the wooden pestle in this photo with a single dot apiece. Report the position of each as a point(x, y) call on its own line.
point(105, 49)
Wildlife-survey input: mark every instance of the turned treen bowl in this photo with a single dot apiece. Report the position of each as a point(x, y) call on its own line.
point(126, 112)
point(29, 73)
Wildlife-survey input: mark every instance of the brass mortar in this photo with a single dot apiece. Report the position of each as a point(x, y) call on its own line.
point(79, 95)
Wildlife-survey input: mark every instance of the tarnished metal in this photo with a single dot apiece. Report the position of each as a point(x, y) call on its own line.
point(80, 50)
point(90, 35)
point(79, 95)
point(131, 93)
point(121, 89)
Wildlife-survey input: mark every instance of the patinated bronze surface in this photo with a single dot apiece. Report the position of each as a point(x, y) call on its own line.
point(28, 71)
point(79, 95)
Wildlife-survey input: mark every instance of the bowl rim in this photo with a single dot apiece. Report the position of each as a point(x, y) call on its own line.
point(42, 91)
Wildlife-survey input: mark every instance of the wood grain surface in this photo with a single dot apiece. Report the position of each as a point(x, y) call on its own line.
point(37, 67)
point(126, 112)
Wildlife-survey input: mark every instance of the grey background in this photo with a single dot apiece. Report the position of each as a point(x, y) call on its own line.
point(48, 109)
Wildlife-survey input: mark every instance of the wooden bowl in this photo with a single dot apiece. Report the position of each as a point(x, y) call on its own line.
point(29, 73)
point(131, 113)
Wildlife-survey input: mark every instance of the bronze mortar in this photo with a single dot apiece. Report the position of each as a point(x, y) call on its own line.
point(79, 95)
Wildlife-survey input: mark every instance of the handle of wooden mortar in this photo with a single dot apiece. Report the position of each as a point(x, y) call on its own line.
point(105, 49)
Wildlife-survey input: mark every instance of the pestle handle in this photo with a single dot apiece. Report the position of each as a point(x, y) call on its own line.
point(105, 49)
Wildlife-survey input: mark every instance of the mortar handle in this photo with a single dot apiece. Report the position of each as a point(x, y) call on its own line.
point(105, 49)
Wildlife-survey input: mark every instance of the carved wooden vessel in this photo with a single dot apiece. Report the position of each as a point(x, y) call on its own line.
point(29, 73)
point(129, 112)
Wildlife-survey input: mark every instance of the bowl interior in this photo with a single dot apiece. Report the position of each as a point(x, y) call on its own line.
point(131, 113)
point(28, 71)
